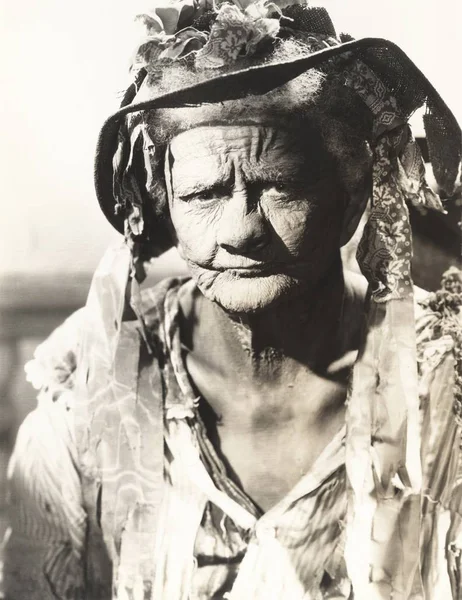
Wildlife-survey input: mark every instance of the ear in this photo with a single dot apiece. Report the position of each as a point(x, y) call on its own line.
point(356, 204)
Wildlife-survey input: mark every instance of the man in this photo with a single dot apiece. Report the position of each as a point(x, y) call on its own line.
point(254, 431)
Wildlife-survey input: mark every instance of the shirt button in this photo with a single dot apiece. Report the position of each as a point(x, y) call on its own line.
point(265, 532)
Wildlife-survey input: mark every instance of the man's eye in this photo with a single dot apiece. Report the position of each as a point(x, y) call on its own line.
point(207, 195)
point(279, 187)
point(203, 196)
point(200, 196)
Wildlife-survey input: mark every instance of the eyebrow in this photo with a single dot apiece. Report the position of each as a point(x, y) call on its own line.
point(196, 186)
point(260, 173)
point(257, 175)
point(282, 172)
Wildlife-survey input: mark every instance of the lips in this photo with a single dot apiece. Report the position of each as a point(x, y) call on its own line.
point(248, 271)
point(261, 269)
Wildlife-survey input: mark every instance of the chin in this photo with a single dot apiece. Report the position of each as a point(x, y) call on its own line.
point(241, 295)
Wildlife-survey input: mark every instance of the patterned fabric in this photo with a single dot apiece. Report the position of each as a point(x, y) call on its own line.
point(383, 442)
point(210, 540)
point(236, 30)
point(398, 176)
point(234, 34)
point(385, 249)
point(375, 95)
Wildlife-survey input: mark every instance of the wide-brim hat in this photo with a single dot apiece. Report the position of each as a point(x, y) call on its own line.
point(396, 70)
point(400, 77)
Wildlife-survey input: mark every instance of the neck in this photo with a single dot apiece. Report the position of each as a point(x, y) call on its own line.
point(304, 328)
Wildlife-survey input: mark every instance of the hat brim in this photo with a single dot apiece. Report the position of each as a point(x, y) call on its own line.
point(255, 80)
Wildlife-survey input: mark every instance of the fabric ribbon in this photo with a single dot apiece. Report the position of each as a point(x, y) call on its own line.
point(119, 427)
point(383, 440)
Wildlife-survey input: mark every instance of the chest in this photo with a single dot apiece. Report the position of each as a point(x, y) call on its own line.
point(269, 435)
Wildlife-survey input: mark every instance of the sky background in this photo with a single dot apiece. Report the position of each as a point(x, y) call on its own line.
point(61, 66)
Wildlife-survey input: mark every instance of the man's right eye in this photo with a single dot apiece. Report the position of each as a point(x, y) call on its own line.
point(206, 195)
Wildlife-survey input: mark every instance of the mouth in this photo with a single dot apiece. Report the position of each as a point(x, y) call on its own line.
point(247, 271)
point(254, 269)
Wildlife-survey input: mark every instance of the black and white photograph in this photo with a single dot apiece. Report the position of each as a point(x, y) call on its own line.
point(231, 300)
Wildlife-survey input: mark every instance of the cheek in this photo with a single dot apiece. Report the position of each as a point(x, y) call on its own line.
point(307, 226)
point(195, 231)
point(290, 224)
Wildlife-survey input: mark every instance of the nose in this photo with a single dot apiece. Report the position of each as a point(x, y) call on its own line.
point(242, 229)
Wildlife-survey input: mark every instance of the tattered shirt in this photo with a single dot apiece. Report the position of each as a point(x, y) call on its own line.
point(211, 540)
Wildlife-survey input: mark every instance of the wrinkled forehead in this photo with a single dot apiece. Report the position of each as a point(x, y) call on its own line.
point(313, 136)
point(207, 155)
point(210, 154)
point(166, 123)
point(248, 143)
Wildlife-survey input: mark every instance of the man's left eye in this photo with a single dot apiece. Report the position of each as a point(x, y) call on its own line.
point(203, 196)
point(206, 195)
point(279, 187)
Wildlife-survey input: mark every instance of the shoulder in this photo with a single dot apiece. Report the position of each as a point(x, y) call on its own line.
point(439, 324)
point(55, 364)
point(45, 445)
point(53, 367)
point(439, 361)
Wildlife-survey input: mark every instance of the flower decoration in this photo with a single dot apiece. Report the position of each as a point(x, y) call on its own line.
point(52, 369)
point(237, 29)
point(52, 375)
point(237, 32)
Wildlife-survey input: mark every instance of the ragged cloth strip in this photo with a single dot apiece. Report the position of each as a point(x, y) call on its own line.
point(116, 413)
point(383, 440)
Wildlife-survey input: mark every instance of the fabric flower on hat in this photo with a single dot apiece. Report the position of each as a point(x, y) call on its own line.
point(168, 34)
point(169, 18)
point(237, 32)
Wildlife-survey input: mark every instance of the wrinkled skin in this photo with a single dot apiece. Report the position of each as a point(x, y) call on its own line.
point(257, 212)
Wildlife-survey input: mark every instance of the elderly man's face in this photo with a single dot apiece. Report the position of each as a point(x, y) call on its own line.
point(257, 212)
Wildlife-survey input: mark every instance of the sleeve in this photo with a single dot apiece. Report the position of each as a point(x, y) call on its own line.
point(44, 545)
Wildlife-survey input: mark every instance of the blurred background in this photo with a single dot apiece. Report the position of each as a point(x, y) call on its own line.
point(62, 66)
